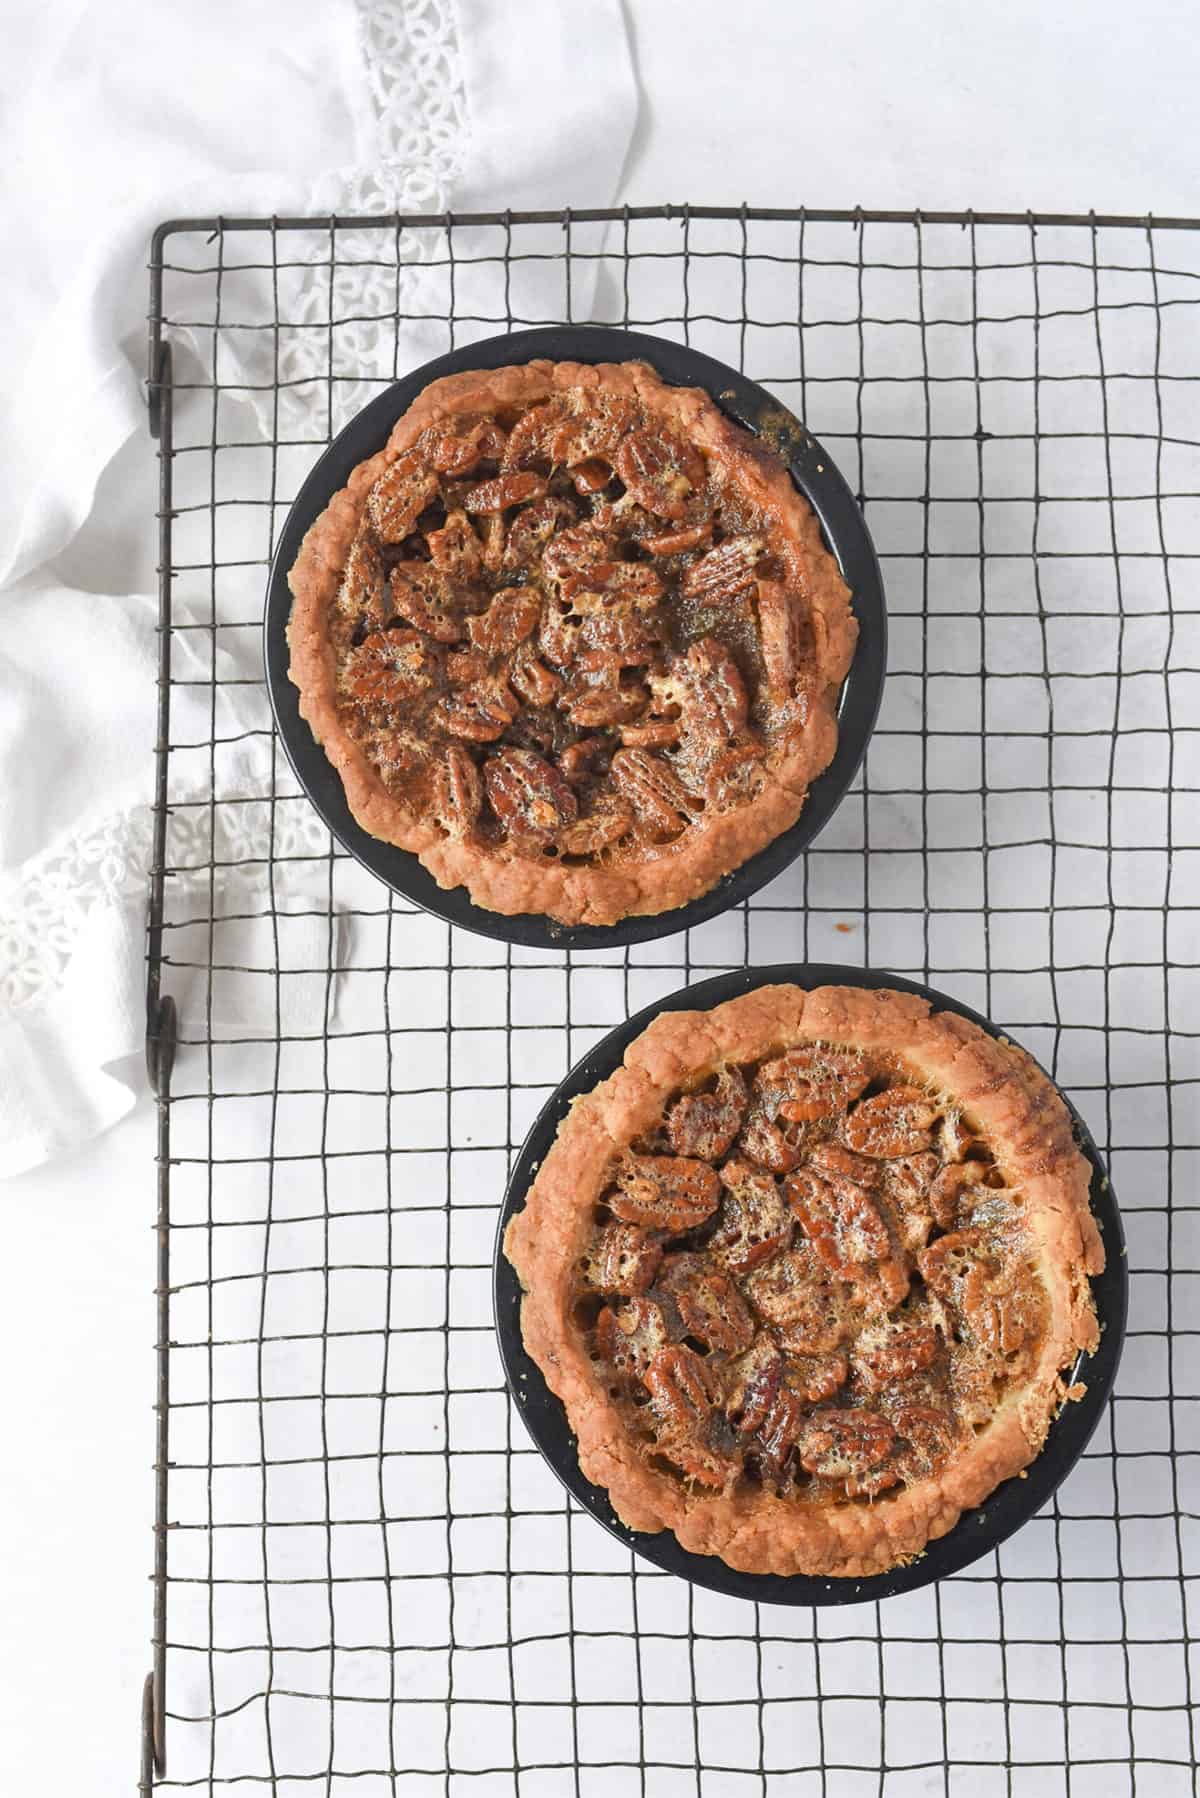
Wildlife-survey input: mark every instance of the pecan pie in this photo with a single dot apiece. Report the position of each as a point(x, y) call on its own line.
point(808, 1273)
point(573, 638)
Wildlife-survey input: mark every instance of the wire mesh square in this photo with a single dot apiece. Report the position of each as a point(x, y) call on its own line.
point(367, 1580)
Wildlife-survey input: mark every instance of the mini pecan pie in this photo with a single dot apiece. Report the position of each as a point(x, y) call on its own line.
point(807, 1273)
point(573, 638)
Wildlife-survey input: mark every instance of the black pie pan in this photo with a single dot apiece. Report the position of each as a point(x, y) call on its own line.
point(816, 477)
point(978, 1531)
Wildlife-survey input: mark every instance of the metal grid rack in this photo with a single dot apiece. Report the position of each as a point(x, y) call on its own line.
point(366, 1581)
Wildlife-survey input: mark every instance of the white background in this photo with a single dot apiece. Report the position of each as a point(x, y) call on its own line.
point(1025, 105)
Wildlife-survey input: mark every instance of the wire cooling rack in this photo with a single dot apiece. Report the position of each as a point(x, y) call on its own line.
point(365, 1580)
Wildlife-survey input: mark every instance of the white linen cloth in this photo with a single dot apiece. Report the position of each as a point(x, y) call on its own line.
point(119, 114)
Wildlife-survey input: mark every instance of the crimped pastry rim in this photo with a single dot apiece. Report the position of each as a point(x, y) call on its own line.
point(864, 1542)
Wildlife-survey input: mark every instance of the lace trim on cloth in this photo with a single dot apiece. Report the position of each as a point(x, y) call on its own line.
point(414, 77)
point(44, 911)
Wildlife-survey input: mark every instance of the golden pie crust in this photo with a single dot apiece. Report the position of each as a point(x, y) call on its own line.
point(902, 1222)
point(645, 704)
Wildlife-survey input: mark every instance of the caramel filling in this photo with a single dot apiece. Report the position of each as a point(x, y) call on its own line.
point(810, 1276)
point(548, 635)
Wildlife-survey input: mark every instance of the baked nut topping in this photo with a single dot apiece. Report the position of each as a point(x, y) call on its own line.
point(807, 1272)
point(573, 638)
point(848, 1308)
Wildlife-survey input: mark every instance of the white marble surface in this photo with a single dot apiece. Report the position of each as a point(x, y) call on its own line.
point(933, 105)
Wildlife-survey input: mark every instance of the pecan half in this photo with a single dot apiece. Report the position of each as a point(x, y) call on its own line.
point(511, 617)
point(455, 549)
point(624, 637)
point(558, 634)
point(660, 470)
point(590, 476)
point(397, 751)
point(1001, 1317)
point(945, 1264)
point(754, 1224)
point(536, 684)
point(492, 525)
point(907, 1178)
point(765, 1143)
point(578, 759)
point(594, 433)
point(459, 791)
point(600, 586)
point(814, 1082)
point(946, 1192)
point(779, 1431)
point(503, 491)
point(906, 1182)
point(573, 550)
point(782, 628)
point(891, 1350)
point(465, 666)
point(715, 705)
point(839, 1220)
point(894, 1122)
point(654, 791)
point(480, 712)
point(594, 706)
point(883, 1286)
point(528, 795)
point(423, 596)
point(927, 1435)
point(400, 495)
point(756, 1377)
point(680, 1385)
point(834, 1158)
point(389, 667)
point(458, 452)
point(664, 1192)
point(682, 1395)
point(529, 440)
point(751, 1381)
point(705, 1124)
point(650, 733)
point(361, 594)
point(726, 572)
point(806, 1310)
point(842, 1445)
point(817, 1377)
point(531, 530)
point(589, 835)
point(677, 542)
point(630, 1337)
point(621, 1259)
point(733, 775)
point(710, 1306)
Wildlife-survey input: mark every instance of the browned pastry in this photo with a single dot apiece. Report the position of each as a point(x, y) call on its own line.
point(807, 1272)
point(573, 639)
